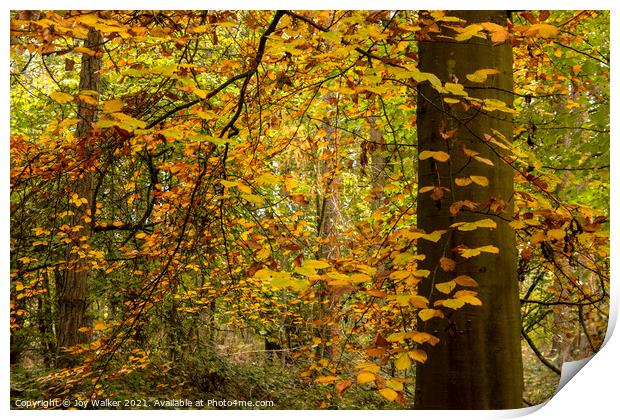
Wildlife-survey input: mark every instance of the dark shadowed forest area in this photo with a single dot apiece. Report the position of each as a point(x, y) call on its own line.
point(306, 209)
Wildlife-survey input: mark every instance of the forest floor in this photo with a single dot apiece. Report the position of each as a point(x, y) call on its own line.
point(211, 382)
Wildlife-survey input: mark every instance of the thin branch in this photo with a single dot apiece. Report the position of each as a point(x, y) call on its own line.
point(596, 130)
point(194, 102)
point(606, 63)
point(593, 168)
point(538, 354)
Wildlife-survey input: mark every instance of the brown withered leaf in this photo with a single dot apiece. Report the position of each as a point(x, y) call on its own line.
point(447, 264)
point(437, 193)
point(299, 199)
point(457, 205)
point(343, 386)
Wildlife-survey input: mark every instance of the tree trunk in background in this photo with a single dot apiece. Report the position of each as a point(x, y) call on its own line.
point(45, 321)
point(477, 363)
point(72, 283)
point(378, 163)
point(329, 211)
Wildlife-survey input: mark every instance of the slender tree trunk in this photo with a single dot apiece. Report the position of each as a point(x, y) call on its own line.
point(329, 212)
point(477, 363)
point(72, 283)
point(45, 320)
point(378, 163)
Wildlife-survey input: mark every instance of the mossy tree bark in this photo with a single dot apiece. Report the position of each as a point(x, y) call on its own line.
point(477, 363)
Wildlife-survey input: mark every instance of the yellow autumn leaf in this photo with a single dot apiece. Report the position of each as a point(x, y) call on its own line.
point(402, 362)
point(85, 50)
point(542, 30)
point(400, 275)
point(455, 89)
point(425, 154)
point(489, 248)
point(480, 76)
point(200, 93)
point(426, 314)
point(422, 337)
point(389, 394)
point(498, 33)
point(365, 377)
point(438, 155)
point(305, 271)
point(434, 236)
point(88, 99)
point(253, 198)
point(472, 300)
point(441, 156)
point(61, 97)
point(469, 153)
point(263, 274)
point(326, 379)
point(244, 188)
point(452, 303)
point(400, 336)
point(426, 189)
point(462, 182)
point(368, 367)
point(421, 273)
point(402, 300)
point(464, 227)
point(315, 264)
point(480, 180)
point(394, 384)
point(418, 301)
point(465, 281)
point(484, 160)
point(337, 276)
point(557, 234)
point(339, 282)
point(538, 237)
point(89, 19)
point(113, 105)
point(403, 258)
point(359, 278)
point(446, 287)
point(486, 223)
point(418, 355)
point(468, 32)
point(469, 253)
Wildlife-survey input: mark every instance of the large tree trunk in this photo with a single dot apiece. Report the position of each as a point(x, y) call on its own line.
point(477, 363)
point(72, 283)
